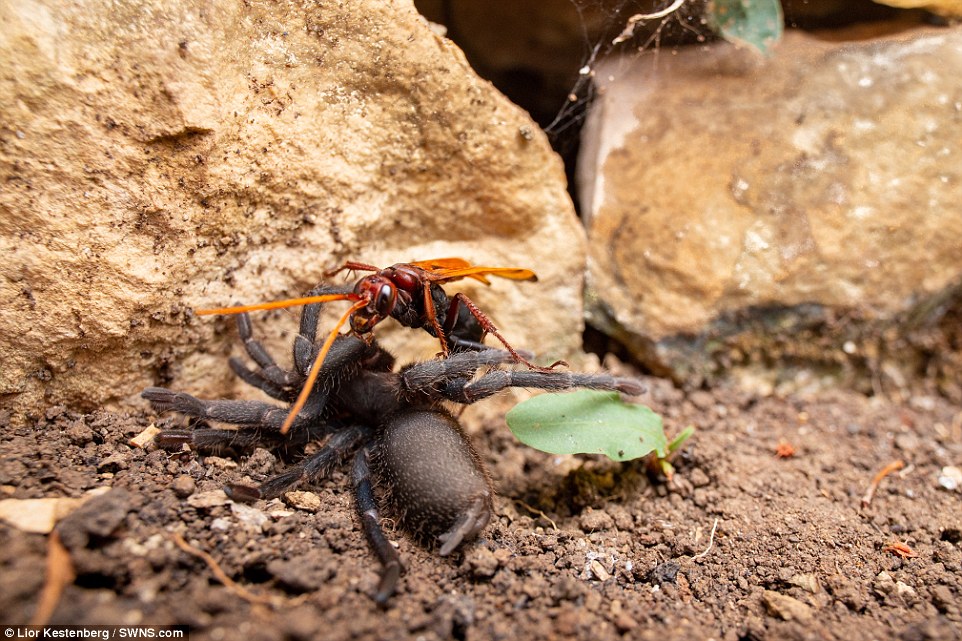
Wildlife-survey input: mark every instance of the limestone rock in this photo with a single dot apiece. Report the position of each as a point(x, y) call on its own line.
point(742, 210)
point(163, 156)
point(540, 51)
point(948, 8)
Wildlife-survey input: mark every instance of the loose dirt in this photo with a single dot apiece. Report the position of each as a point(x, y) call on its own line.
point(760, 535)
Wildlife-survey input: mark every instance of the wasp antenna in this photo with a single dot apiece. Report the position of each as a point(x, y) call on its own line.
point(277, 304)
point(316, 368)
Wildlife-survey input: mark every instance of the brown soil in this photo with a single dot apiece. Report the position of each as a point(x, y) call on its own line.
point(580, 548)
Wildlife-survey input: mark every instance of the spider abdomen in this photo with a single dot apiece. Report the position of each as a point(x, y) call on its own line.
point(435, 481)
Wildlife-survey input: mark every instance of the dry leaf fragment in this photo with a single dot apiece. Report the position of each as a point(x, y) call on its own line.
point(145, 437)
point(37, 516)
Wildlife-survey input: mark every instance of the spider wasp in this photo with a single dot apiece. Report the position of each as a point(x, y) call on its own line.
point(411, 293)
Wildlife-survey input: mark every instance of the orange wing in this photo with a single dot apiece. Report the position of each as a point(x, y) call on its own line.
point(479, 273)
point(442, 270)
point(440, 264)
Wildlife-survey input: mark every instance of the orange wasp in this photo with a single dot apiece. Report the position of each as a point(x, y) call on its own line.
point(411, 293)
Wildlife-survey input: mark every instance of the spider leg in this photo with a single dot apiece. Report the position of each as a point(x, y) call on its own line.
point(269, 369)
point(249, 413)
point(208, 439)
point(426, 375)
point(341, 445)
point(304, 350)
point(468, 391)
point(274, 380)
point(255, 379)
point(370, 523)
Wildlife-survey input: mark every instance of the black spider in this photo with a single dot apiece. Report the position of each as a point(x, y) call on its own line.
point(392, 422)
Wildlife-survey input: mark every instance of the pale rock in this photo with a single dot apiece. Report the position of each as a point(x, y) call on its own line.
point(248, 515)
point(598, 571)
point(160, 157)
point(884, 584)
point(209, 499)
point(220, 462)
point(948, 8)
point(808, 582)
point(307, 501)
point(786, 607)
point(735, 204)
point(905, 590)
point(220, 524)
point(535, 51)
point(950, 477)
point(38, 516)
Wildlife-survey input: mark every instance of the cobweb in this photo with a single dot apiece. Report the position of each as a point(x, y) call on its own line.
point(628, 28)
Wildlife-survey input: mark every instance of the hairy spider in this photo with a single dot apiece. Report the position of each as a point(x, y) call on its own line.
point(393, 423)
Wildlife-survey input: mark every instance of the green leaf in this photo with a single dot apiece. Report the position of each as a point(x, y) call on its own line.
point(588, 422)
point(757, 23)
point(679, 440)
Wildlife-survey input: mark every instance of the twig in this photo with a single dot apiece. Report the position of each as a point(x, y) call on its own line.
point(629, 30)
point(711, 542)
point(219, 573)
point(60, 574)
point(538, 512)
point(894, 466)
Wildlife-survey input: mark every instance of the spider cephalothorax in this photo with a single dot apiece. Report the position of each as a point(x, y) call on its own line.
point(393, 423)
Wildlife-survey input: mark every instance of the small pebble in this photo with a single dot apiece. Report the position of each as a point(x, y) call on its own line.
point(79, 433)
point(55, 412)
point(950, 478)
point(699, 478)
point(97, 518)
point(598, 570)
point(183, 486)
point(307, 501)
point(212, 498)
point(146, 437)
point(482, 562)
point(249, 515)
point(222, 463)
point(594, 520)
point(113, 463)
point(807, 582)
point(701, 399)
point(883, 584)
point(785, 607)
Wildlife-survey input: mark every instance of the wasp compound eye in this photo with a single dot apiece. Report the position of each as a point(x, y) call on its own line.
point(385, 299)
